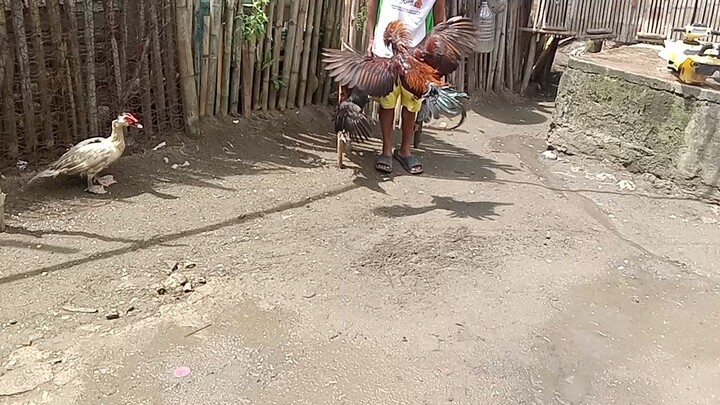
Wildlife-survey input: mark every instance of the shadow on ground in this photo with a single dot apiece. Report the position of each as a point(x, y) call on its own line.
point(267, 143)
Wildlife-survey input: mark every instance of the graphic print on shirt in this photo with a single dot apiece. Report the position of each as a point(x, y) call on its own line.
point(414, 13)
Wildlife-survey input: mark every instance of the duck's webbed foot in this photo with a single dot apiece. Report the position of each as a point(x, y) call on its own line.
point(106, 181)
point(96, 189)
point(93, 188)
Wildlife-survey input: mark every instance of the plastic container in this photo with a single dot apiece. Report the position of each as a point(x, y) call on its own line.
point(485, 22)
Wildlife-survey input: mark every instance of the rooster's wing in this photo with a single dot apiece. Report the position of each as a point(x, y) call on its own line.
point(374, 75)
point(446, 44)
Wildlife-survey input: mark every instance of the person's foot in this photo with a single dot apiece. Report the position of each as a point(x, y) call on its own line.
point(408, 162)
point(384, 163)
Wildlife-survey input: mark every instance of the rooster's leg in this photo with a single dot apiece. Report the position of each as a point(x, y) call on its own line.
point(340, 151)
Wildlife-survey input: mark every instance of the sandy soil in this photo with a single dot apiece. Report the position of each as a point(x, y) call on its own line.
point(497, 277)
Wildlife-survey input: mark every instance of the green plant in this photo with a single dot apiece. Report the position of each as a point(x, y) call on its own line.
point(255, 21)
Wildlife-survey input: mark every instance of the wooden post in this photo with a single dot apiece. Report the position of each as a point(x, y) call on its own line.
point(187, 71)
point(298, 61)
point(529, 63)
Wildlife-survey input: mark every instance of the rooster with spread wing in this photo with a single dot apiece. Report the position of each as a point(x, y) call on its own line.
point(417, 70)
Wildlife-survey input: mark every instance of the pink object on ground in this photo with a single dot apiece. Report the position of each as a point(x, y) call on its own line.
point(181, 372)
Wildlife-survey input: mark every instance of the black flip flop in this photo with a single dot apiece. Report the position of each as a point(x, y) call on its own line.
point(384, 163)
point(408, 162)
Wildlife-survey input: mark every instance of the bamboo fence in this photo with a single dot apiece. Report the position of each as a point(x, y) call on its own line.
point(625, 21)
point(68, 67)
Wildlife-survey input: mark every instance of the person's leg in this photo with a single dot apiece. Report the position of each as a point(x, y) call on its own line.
point(411, 105)
point(387, 118)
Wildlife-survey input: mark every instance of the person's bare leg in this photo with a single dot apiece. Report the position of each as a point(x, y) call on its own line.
point(408, 134)
point(387, 117)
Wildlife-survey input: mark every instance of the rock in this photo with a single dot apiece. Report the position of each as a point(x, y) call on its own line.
point(626, 185)
point(188, 287)
point(549, 155)
point(114, 314)
point(605, 177)
point(175, 280)
point(172, 265)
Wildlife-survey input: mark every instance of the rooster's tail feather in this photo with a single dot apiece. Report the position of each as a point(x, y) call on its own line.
point(352, 122)
point(44, 174)
point(441, 101)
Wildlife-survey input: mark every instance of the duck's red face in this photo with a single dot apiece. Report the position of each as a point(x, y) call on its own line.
point(131, 121)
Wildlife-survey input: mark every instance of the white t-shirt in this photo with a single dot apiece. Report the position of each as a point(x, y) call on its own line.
point(414, 13)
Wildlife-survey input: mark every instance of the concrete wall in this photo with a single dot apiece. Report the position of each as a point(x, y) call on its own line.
point(647, 124)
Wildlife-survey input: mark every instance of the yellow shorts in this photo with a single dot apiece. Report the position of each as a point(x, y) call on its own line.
point(407, 100)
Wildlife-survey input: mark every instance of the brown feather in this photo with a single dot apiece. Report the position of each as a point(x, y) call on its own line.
point(447, 44)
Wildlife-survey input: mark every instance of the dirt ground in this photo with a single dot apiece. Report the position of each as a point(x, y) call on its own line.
point(497, 277)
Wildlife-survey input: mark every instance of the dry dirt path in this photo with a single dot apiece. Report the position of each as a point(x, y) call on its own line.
point(497, 277)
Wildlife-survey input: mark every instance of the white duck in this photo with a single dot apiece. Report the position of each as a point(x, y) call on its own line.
point(91, 156)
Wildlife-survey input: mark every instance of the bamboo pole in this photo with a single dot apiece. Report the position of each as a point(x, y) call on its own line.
point(205, 67)
point(219, 74)
point(510, 52)
point(500, 69)
point(277, 46)
point(312, 86)
point(2, 199)
point(110, 27)
point(23, 58)
point(289, 54)
point(307, 42)
point(7, 104)
point(8, 107)
point(335, 35)
point(215, 28)
point(171, 83)
point(326, 43)
point(157, 67)
point(145, 83)
point(247, 74)
point(62, 82)
point(237, 51)
point(187, 72)
point(42, 79)
point(227, 57)
point(73, 64)
point(267, 56)
point(122, 51)
point(259, 52)
point(91, 99)
point(3, 44)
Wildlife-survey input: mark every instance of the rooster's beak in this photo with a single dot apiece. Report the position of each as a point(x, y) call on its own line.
point(139, 126)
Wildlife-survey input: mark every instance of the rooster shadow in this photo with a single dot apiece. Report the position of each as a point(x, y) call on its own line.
point(481, 210)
